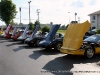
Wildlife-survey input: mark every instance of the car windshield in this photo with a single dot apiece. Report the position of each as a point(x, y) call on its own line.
point(93, 38)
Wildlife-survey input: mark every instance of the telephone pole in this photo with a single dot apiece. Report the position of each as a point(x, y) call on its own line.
point(20, 14)
point(38, 13)
point(29, 11)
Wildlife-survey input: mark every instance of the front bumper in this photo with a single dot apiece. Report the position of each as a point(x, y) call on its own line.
point(21, 38)
point(72, 52)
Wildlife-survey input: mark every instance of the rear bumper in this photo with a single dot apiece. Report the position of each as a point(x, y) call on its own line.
point(72, 52)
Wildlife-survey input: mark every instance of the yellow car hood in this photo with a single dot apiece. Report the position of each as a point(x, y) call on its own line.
point(73, 37)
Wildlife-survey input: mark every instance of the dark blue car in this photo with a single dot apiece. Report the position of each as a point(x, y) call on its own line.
point(52, 41)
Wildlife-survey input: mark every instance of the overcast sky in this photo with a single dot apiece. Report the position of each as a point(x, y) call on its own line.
point(55, 11)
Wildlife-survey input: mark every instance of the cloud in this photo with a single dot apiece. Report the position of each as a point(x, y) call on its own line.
point(92, 2)
point(77, 3)
point(57, 11)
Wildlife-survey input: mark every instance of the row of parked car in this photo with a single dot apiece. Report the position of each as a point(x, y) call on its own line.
point(76, 41)
point(34, 37)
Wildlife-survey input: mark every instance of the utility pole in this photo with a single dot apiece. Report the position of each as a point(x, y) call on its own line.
point(29, 11)
point(20, 14)
point(38, 13)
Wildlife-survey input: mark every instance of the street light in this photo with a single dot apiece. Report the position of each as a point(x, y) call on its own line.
point(29, 11)
point(69, 17)
point(75, 16)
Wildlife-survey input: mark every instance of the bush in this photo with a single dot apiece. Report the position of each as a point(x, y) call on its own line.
point(45, 29)
point(98, 31)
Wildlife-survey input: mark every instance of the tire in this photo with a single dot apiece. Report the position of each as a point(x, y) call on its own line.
point(58, 46)
point(89, 52)
point(37, 42)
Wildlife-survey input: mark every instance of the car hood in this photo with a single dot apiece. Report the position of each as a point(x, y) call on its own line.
point(73, 37)
point(51, 35)
point(33, 34)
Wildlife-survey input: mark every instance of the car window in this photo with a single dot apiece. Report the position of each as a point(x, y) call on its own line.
point(93, 38)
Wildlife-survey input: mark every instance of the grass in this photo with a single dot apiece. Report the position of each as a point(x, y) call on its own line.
point(61, 31)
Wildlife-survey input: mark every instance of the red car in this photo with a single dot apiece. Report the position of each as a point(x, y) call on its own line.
point(7, 32)
point(17, 34)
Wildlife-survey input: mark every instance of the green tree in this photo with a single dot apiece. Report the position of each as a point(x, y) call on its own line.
point(31, 26)
point(63, 27)
point(36, 23)
point(98, 31)
point(7, 11)
point(45, 29)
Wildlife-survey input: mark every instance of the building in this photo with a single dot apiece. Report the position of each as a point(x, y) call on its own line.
point(95, 20)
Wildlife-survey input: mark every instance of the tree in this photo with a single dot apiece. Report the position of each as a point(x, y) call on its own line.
point(45, 29)
point(36, 23)
point(63, 27)
point(7, 11)
point(31, 26)
point(98, 31)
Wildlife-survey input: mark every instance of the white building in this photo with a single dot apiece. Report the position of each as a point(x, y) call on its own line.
point(95, 20)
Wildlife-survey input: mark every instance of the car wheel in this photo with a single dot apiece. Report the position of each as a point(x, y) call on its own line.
point(89, 52)
point(58, 46)
point(37, 42)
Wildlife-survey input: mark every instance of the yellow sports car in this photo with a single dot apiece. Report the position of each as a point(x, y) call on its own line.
point(1, 32)
point(74, 44)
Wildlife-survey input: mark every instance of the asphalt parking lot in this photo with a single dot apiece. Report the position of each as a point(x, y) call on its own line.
point(20, 59)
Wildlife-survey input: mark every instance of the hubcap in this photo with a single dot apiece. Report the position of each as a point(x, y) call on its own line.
point(90, 53)
point(37, 42)
point(59, 46)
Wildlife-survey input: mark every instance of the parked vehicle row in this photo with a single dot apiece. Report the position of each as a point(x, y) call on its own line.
point(76, 41)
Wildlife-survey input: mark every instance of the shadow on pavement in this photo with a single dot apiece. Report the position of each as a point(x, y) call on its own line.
point(36, 54)
point(61, 65)
point(22, 47)
point(2, 40)
point(15, 43)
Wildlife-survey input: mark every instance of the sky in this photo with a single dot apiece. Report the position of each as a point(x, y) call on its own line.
point(56, 11)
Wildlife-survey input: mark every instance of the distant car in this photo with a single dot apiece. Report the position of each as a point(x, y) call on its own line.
point(17, 34)
point(92, 32)
point(35, 38)
point(7, 32)
point(51, 41)
point(24, 34)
